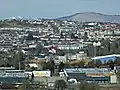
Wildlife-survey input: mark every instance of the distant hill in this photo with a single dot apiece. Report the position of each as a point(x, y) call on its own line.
point(92, 16)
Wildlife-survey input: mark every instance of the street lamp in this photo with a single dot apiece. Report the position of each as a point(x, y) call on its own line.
point(96, 44)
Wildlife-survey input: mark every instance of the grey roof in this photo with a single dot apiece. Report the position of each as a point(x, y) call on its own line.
point(78, 76)
point(11, 74)
point(87, 70)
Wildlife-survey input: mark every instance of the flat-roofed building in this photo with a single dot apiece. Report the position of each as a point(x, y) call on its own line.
point(13, 76)
point(90, 75)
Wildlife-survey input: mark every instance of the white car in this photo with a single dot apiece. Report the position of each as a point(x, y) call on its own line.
point(72, 81)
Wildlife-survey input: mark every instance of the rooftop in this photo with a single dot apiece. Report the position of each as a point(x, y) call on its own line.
point(87, 70)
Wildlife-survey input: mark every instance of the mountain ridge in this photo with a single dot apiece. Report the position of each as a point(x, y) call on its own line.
point(92, 16)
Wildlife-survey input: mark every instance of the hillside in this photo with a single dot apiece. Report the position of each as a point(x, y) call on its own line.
point(92, 16)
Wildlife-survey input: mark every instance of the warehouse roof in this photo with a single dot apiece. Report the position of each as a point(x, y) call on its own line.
point(107, 56)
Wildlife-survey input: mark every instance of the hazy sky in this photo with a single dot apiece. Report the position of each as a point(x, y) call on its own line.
point(56, 8)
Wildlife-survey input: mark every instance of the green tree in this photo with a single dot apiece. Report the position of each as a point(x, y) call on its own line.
point(118, 76)
point(61, 66)
point(60, 52)
point(117, 61)
point(81, 64)
point(60, 85)
point(85, 37)
point(49, 65)
point(18, 58)
point(98, 63)
point(30, 36)
point(91, 64)
point(38, 48)
point(111, 64)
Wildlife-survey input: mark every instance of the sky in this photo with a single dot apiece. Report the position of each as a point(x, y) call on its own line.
point(55, 8)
